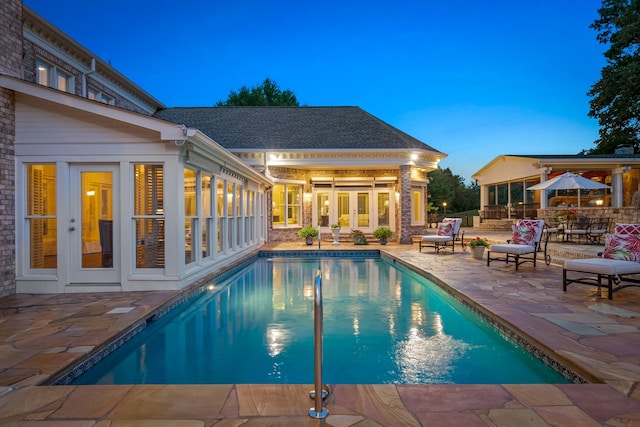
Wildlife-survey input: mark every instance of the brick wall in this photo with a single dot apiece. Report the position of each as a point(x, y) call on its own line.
point(10, 63)
point(405, 204)
point(33, 52)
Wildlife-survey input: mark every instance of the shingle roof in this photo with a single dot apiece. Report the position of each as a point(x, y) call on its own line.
point(577, 156)
point(293, 128)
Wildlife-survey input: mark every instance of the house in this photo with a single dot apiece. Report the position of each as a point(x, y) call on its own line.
point(329, 165)
point(104, 188)
point(504, 182)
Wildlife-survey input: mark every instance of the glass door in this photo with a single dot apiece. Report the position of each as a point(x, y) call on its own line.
point(92, 224)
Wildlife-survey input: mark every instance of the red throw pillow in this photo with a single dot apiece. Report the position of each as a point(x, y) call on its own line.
point(627, 229)
point(625, 247)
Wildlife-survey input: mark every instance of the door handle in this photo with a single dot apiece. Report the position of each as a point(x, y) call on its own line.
point(72, 229)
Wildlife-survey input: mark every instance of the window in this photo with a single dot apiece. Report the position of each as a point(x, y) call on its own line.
point(207, 215)
point(286, 205)
point(148, 215)
point(222, 220)
point(97, 95)
point(190, 216)
point(383, 209)
point(417, 205)
point(41, 216)
point(49, 75)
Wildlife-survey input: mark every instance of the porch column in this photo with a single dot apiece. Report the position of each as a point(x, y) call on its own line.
point(405, 204)
point(617, 199)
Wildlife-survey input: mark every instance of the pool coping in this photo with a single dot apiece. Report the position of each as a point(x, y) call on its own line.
point(567, 369)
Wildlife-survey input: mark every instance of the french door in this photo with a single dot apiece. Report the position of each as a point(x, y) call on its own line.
point(93, 224)
point(353, 209)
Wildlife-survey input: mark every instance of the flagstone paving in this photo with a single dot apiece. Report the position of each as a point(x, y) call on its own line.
point(43, 335)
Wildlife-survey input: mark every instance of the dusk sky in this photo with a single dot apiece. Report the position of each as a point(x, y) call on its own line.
point(472, 78)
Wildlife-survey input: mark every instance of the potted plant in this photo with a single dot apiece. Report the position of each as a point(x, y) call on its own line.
point(335, 229)
point(308, 233)
point(477, 246)
point(382, 233)
point(358, 237)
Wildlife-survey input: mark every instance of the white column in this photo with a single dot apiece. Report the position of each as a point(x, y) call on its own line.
point(616, 186)
point(544, 203)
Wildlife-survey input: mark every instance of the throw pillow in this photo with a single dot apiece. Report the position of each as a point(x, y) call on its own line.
point(523, 235)
point(625, 247)
point(444, 229)
point(627, 229)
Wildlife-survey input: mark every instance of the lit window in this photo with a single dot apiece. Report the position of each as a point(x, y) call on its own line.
point(49, 75)
point(417, 206)
point(42, 73)
point(286, 205)
point(41, 216)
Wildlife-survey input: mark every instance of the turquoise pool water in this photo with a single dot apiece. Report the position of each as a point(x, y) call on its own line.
point(382, 324)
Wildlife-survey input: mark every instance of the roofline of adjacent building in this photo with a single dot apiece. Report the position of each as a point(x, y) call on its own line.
point(559, 160)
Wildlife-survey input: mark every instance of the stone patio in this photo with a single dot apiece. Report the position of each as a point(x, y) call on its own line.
point(42, 335)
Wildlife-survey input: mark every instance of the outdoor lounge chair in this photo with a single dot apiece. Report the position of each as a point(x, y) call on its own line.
point(446, 233)
point(619, 263)
point(523, 246)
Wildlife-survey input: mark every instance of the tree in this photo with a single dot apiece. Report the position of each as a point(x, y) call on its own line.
point(444, 186)
point(265, 94)
point(616, 96)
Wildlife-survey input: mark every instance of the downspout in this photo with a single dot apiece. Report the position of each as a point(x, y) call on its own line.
point(84, 77)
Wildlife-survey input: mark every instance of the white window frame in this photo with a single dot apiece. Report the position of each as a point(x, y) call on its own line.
point(97, 95)
point(287, 185)
point(53, 74)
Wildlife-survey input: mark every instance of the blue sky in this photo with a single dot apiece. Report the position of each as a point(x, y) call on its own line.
point(472, 78)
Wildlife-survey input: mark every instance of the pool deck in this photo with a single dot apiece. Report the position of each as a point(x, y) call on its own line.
point(40, 335)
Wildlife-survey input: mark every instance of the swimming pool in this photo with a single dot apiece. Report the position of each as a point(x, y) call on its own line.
point(382, 324)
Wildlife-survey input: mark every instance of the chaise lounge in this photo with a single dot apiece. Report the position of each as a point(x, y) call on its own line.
point(446, 233)
point(619, 264)
point(523, 246)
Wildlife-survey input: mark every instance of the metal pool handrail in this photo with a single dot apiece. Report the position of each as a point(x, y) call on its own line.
point(318, 394)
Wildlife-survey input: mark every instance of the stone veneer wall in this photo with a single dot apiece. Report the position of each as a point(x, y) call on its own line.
point(626, 215)
point(10, 63)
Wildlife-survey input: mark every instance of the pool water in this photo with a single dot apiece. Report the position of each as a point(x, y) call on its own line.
point(382, 324)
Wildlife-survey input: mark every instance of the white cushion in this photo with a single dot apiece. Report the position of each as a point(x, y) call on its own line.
point(437, 238)
point(512, 248)
point(602, 266)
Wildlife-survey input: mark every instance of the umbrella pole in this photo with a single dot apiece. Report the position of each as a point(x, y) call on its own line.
point(579, 191)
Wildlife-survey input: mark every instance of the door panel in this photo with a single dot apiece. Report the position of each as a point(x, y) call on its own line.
point(364, 208)
point(93, 227)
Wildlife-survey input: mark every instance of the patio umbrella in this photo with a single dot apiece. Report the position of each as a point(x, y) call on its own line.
point(569, 181)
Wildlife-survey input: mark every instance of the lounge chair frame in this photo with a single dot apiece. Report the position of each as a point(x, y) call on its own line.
point(616, 272)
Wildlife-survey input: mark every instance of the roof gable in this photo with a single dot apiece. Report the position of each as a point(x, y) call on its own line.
point(293, 128)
